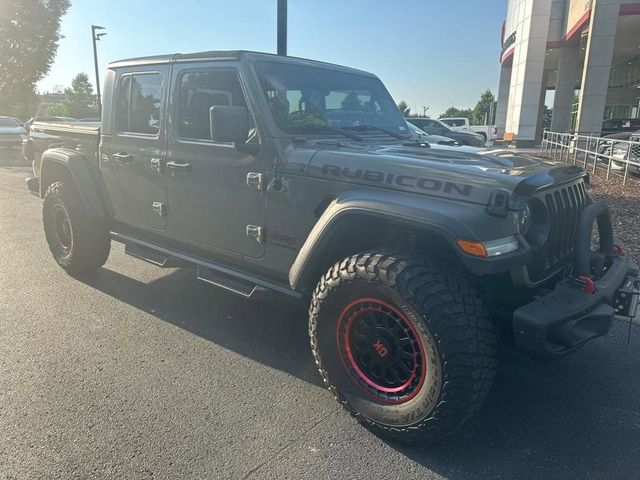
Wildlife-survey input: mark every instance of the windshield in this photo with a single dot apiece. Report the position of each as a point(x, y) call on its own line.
point(8, 122)
point(454, 122)
point(313, 100)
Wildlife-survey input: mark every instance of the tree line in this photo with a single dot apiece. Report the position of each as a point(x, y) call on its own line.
point(79, 101)
point(477, 115)
point(29, 35)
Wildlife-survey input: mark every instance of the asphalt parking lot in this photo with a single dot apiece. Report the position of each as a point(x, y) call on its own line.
point(140, 372)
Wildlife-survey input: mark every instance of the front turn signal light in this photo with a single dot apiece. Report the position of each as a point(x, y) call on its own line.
point(491, 248)
point(477, 249)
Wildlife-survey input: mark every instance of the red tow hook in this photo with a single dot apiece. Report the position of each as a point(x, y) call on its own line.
point(619, 250)
point(589, 286)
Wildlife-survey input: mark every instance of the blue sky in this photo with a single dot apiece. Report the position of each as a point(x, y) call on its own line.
point(434, 53)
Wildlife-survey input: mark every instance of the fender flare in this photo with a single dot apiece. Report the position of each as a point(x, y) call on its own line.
point(442, 218)
point(83, 174)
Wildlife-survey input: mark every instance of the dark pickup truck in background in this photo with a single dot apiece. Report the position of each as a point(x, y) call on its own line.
point(274, 176)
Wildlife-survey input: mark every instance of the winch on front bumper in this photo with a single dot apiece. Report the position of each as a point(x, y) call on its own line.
point(583, 306)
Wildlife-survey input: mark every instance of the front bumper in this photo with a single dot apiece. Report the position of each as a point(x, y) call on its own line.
point(580, 308)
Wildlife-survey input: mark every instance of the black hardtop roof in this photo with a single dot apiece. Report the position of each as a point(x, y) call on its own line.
point(226, 55)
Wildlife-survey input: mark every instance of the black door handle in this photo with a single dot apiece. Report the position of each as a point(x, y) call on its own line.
point(123, 157)
point(179, 166)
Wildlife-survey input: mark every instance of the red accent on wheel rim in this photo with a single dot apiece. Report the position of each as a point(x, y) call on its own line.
point(381, 350)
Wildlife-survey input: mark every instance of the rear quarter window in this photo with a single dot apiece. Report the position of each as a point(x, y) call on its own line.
point(138, 103)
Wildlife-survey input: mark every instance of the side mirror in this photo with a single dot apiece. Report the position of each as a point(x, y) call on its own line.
point(229, 124)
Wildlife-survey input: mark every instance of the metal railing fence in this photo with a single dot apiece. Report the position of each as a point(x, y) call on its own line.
point(617, 156)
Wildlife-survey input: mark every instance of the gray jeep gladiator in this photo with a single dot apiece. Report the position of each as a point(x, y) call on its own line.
point(274, 176)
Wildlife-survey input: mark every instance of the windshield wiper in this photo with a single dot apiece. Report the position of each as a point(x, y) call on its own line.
point(381, 129)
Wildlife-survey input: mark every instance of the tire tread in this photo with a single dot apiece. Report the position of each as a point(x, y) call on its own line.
point(91, 237)
point(464, 335)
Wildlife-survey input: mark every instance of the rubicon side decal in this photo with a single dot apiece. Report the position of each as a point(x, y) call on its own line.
point(418, 183)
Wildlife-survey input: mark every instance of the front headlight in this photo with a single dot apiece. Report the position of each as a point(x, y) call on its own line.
point(533, 222)
point(525, 218)
point(501, 246)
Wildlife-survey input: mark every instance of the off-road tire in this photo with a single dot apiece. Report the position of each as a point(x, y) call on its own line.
point(88, 244)
point(446, 314)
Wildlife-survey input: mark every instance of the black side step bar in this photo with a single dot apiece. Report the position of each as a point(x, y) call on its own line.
point(216, 274)
point(152, 256)
point(245, 289)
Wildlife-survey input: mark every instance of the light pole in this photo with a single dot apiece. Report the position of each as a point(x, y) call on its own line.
point(282, 27)
point(95, 37)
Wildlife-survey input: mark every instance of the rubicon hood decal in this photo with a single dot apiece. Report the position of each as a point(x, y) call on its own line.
point(408, 181)
point(440, 171)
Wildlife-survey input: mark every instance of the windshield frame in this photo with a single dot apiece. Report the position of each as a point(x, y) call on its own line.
point(319, 134)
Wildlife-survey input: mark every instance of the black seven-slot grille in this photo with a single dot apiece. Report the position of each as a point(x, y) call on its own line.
point(564, 205)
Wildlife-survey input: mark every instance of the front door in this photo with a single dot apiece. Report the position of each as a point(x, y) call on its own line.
point(135, 151)
point(210, 204)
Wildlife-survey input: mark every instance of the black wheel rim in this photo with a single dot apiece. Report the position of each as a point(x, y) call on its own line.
point(62, 229)
point(381, 350)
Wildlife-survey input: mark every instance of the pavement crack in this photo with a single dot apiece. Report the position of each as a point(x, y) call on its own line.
point(292, 442)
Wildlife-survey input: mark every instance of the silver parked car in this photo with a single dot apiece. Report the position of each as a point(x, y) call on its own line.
point(617, 147)
point(11, 133)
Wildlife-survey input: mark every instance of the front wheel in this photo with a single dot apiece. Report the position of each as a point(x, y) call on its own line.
point(403, 343)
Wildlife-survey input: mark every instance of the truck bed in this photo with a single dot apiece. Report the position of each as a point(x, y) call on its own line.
point(81, 136)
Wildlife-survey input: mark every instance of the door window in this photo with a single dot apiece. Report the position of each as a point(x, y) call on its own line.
point(138, 105)
point(459, 122)
point(432, 128)
point(198, 92)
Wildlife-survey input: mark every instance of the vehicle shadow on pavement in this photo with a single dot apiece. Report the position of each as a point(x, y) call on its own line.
point(273, 333)
point(578, 417)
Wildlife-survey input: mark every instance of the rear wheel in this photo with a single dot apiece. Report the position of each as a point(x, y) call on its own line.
point(405, 345)
point(78, 243)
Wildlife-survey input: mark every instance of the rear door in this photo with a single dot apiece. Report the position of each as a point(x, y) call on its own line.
point(136, 149)
point(210, 202)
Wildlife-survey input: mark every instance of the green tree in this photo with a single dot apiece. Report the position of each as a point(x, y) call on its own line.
point(478, 115)
point(453, 112)
point(29, 34)
point(79, 100)
point(483, 108)
point(404, 108)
